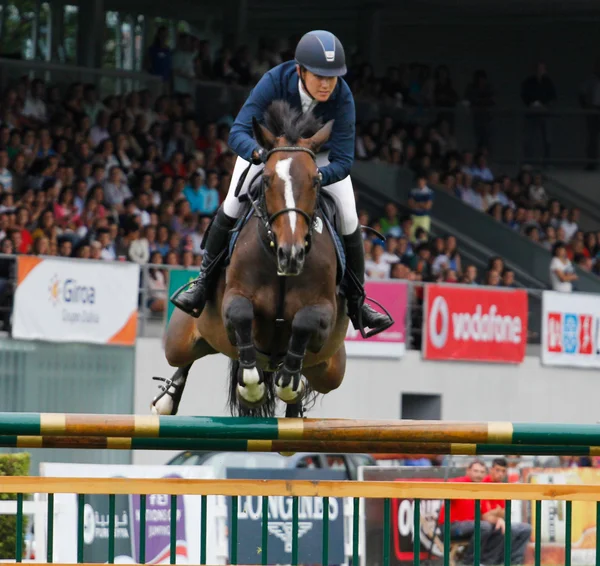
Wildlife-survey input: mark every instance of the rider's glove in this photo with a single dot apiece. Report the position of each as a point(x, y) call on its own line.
point(259, 156)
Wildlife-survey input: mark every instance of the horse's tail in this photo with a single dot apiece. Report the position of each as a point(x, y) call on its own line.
point(238, 409)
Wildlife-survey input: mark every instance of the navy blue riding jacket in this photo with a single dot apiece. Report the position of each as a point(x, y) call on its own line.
point(281, 83)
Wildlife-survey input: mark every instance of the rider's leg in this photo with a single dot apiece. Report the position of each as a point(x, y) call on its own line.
point(193, 299)
point(343, 194)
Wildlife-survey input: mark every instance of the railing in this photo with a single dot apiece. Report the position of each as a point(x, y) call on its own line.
point(107, 81)
point(356, 491)
point(284, 497)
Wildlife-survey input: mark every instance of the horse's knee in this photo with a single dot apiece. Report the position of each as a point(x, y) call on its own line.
point(238, 310)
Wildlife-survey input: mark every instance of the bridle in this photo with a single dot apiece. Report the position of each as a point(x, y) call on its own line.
point(260, 205)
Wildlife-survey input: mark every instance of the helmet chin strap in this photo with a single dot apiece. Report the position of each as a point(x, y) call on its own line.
point(302, 71)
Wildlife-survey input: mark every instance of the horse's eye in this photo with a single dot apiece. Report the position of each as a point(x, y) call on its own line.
point(316, 181)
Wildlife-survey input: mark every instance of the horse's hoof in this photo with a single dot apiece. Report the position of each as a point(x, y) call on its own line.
point(253, 393)
point(163, 406)
point(290, 395)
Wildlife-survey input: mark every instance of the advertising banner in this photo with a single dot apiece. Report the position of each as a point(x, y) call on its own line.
point(178, 278)
point(403, 537)
point(402, 533)
point(62, 300)
point(570, 333)
point(127, 518)
point(310, 520)
point(388, 344)
point(479, 324)
point(554, 516)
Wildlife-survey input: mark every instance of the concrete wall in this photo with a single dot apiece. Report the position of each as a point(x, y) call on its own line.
point(372, 390)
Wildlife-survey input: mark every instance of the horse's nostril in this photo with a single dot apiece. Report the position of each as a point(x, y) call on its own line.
point(281, 256)
point(300, 256)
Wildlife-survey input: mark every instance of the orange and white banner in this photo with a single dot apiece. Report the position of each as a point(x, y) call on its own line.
point(63, 300)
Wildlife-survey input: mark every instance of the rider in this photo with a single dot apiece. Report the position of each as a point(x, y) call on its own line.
point(310, 82)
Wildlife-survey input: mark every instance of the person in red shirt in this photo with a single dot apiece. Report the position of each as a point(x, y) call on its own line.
point(462, 521)
point(520, 532)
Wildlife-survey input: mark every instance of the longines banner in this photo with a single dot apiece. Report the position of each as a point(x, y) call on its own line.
point(62, 300)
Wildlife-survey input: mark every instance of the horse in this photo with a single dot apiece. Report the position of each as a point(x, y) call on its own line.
point(276, 310)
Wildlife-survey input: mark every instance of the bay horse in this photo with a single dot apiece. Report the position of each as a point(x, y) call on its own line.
point(275, 311)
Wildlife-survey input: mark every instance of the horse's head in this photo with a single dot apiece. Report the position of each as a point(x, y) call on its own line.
point(291, 180)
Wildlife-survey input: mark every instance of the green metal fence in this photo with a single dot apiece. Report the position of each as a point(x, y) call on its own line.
point(295, 489)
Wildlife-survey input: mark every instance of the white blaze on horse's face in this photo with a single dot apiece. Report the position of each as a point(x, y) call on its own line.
point(282, 168)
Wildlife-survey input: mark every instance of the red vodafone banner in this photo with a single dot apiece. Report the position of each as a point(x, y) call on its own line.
point(479, 324)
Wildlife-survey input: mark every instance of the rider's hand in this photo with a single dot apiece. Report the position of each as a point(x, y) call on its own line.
point(259, 156)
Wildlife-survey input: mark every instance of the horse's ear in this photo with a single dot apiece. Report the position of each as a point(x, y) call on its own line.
point(321, 136)
point(263, 136)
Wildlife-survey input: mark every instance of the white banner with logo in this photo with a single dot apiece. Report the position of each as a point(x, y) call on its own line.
point(127, 523)
point(570, 334)
point(63, 300)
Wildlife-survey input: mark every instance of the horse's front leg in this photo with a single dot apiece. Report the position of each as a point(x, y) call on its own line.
point(239, 314)
point(310, 328)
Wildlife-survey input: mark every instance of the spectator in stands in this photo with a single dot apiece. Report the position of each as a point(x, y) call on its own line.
point(420, 203)
point(589, 98)
point(470, 276)
point(35, 107)
point(6, 177)
point(480, 97)
point(520, 532)
point(157, 285)
point(570, 223)
point(562, 272)
point(184, 68)
point(537, 93)
point(462, 517)
point(377, 267)
point(390, 223)
point(508, 278)
point(159, 60)
point(537, 193)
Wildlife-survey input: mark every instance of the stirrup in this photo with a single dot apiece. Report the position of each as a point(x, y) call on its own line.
point(375, 331)
point(361, 296)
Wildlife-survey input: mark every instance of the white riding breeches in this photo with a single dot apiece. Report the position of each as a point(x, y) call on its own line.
point(342, 193)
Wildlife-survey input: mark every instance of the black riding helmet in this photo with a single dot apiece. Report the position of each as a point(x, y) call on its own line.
point(321, 53)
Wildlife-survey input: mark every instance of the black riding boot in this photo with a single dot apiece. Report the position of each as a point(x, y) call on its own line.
point(193, 299)
point(355, 256)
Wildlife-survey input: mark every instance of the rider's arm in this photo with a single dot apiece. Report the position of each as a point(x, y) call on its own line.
point(241, 137)
point(341, 155)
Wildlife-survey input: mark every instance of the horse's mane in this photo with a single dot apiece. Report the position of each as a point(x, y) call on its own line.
point(284, 121)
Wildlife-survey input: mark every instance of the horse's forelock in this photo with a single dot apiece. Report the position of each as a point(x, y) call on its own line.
point(284, 121)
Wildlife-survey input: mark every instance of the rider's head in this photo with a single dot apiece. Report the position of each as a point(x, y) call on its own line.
point(320, 60)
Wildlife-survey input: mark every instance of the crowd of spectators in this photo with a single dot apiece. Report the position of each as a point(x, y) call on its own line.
point(136, 178)
point(124, 178)
point(521, 203)
point(412, 254)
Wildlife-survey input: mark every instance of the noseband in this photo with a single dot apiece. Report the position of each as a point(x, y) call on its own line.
point(260, 205)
